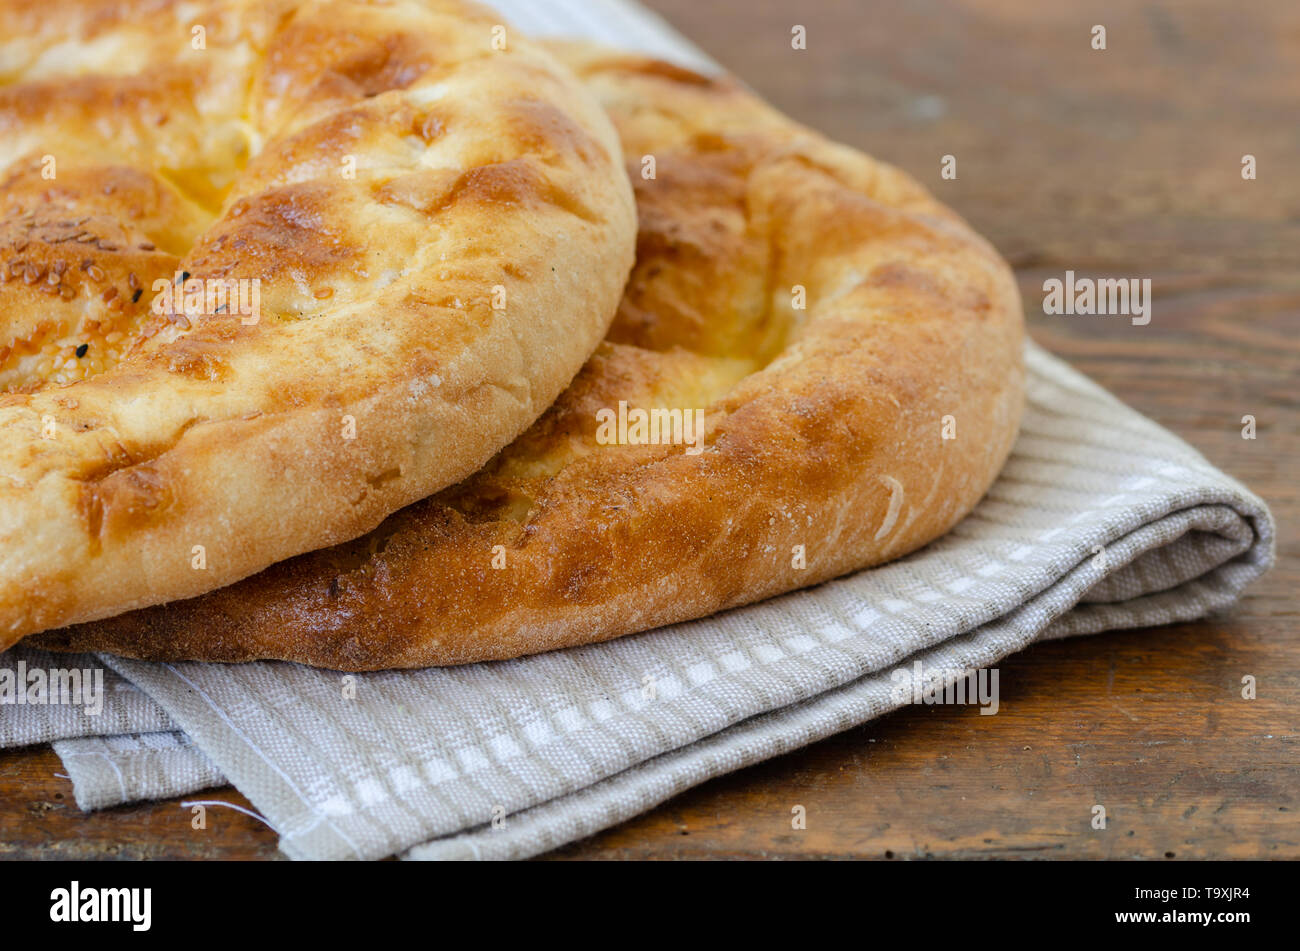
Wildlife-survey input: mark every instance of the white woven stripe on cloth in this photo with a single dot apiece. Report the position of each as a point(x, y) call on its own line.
point(112, 770)
point(565, 744)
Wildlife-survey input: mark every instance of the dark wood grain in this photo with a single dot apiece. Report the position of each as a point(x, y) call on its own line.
point(1124, 163)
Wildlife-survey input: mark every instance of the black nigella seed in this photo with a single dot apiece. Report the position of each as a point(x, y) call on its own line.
point(185, 276)
point(81, 351)
point(136, 296)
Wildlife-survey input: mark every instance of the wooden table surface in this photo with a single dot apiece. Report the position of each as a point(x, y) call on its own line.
point(1121, 163)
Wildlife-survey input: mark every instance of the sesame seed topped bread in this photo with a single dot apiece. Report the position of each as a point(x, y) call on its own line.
point(270, 271)
point(831, 320)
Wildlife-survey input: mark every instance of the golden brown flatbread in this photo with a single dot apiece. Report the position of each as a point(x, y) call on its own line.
point(271, 271)
point(832, 322)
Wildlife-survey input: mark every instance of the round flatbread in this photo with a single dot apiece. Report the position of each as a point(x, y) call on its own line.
point(815, 368)
point(271, 271)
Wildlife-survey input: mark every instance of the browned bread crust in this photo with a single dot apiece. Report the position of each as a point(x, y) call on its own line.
point(824, 425)
point(438, 229)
